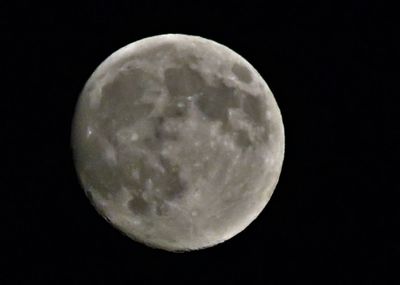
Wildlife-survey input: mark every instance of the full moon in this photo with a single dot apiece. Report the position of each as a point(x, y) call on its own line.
point(178, 142)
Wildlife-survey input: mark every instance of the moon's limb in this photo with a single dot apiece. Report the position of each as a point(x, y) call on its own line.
point(178, 141)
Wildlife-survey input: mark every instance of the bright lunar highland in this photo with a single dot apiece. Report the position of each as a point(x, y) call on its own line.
point(178, 142)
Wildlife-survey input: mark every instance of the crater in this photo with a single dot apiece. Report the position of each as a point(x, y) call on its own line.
point(254, 108)
point(120, 99)
point(138, 206)
point(161, 133)
point(89, 195)
point(216, 101)
point(172, 187)
point(166, 183)
point(161, 208)
point(242, 139)
point(181, 83)
point(242, 73)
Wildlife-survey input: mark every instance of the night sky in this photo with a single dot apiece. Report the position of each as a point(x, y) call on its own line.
point(329, 66)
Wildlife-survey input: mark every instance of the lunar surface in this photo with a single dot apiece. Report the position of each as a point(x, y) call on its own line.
point(178, 142)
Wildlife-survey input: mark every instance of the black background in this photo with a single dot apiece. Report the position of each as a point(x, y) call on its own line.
point(328, 65)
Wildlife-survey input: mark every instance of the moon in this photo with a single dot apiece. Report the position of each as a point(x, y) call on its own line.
point(178, 142)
